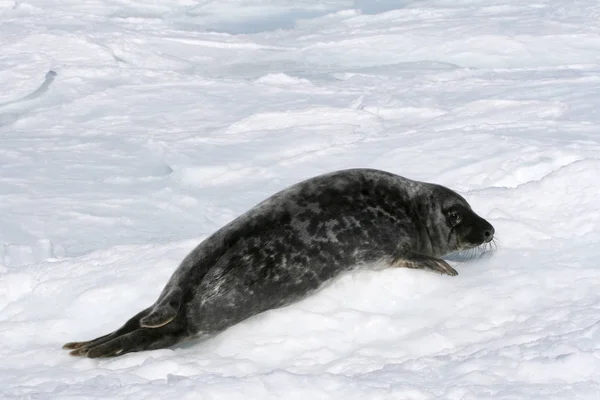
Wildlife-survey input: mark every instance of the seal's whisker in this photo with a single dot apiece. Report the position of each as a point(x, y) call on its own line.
point(475, 253)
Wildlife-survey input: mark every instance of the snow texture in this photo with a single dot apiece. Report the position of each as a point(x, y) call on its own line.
point(132, 129)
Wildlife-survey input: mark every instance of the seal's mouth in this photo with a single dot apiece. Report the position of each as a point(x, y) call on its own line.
point(475, 251)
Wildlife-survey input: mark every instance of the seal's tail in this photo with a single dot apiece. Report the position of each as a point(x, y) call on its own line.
point(132, 336)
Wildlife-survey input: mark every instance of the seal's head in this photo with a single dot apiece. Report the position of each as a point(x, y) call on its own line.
point(453, 225)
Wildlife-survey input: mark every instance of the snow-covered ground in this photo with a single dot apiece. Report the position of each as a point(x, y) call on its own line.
point(165, 119)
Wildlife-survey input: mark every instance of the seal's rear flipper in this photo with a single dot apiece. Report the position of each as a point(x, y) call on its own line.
point(132, 336)
point(137, 340)
point(130, 326)
point(164, 311)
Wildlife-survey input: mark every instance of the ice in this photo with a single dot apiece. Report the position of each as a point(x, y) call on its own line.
point(131, 130)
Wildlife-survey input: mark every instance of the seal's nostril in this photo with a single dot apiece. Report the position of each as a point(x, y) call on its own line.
point(488, 234)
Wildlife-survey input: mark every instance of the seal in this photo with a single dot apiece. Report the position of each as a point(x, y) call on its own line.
point(294, 242)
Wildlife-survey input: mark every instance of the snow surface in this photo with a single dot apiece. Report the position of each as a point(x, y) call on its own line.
point(164, 120)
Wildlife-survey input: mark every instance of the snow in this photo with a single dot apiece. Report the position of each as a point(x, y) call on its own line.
point(165, 120)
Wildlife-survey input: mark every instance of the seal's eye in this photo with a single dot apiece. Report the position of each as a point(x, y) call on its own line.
point(454, 218)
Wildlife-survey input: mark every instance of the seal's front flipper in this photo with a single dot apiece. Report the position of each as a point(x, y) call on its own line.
point(164, 311)
point(419, 261)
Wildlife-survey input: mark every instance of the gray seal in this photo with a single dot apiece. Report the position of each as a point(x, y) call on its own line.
point(294, 242)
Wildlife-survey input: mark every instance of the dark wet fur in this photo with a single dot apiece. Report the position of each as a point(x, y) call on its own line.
point(290, 245)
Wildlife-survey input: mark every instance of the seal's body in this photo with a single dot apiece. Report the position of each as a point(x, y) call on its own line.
point(291, 244)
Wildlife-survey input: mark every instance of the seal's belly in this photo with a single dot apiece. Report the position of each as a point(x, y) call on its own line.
point(277, 262)
point(241, 287)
